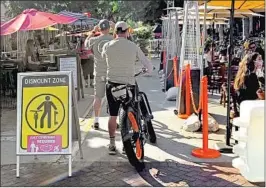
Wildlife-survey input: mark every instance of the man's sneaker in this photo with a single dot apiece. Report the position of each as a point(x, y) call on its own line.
point(96, 126)
point(86, 84)
point(91, 84)
point(112, 150)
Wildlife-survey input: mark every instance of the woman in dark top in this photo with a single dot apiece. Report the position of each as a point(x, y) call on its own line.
point(247, 81)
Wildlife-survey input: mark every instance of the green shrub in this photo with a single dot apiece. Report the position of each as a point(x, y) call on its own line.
point(144, 32)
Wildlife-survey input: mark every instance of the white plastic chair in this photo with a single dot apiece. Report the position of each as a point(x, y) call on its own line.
point(240, 122)
point(243, 122)
point(240, 136)
point(246, 107)
point(240, 149)
point(251, 164)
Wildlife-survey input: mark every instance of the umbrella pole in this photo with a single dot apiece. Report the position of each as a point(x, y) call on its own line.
point(230, 49)
point(204, 24)
point(227, 148)
point(213, 33)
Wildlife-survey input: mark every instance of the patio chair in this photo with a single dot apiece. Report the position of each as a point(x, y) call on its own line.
point(251, 161)
point(215, 78)
point(242, 123)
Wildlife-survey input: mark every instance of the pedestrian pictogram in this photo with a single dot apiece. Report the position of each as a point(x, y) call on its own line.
point(45, 113)
point(48, 104)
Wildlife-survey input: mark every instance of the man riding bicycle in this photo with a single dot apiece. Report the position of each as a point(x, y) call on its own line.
point(121, 55)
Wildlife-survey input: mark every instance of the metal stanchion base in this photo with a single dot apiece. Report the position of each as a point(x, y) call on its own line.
point(223, 148)
point(183, 116)
point(206, 154)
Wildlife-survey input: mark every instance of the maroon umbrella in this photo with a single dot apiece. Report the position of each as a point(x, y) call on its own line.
point(31, 19)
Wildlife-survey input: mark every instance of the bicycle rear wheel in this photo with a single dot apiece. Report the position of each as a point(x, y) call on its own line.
point(133, 144)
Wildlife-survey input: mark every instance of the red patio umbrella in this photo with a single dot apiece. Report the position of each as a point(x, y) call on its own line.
point(32, 19)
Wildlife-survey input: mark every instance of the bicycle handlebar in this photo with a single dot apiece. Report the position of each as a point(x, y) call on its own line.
point(142, 71)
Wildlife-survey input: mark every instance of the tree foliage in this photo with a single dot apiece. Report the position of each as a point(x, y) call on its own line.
point(148, 11)
point(157, 8)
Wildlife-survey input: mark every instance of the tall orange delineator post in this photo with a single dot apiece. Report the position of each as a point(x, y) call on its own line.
point(175, 65)
point(187, 94)
point(205, 152)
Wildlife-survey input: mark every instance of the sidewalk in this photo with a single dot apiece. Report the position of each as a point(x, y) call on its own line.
point(9, 127)
point(121, 174)
point(168, 163)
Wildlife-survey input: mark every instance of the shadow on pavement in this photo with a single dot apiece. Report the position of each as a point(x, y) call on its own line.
point(171, 173)
point(214, 97)
point(168, 141)
point(221, 119)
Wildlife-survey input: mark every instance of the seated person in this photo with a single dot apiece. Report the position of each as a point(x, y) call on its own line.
point(223, 56)
point(248, 81)
point(51, 44)
point(31, 61)
point(255, 48)
point(211, 54)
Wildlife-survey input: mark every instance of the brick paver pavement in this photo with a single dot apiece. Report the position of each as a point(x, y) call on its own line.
point(117, 174)
point(8, 121)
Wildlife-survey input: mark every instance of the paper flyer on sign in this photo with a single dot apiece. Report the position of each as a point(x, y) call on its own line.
point(70, 64)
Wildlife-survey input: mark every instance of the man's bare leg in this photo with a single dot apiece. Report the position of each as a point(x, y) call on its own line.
point(91, 80)
point(97, 109)
point(112, 128)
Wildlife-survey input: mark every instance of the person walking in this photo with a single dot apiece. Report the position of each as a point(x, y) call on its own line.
point(87, 62)
point(121, 55)
point(100, 68)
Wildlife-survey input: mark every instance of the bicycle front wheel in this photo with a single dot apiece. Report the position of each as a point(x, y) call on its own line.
point(133, 144)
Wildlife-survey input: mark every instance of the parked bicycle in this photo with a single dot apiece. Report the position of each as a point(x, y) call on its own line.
point(135, 119)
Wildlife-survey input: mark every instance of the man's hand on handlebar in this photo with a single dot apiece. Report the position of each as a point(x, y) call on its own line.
point(142, 71)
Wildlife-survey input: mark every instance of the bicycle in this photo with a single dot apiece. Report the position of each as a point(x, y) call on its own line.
point(135, 119)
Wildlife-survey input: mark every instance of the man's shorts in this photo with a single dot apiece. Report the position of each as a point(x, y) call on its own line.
point(113, 105)
point(99, 86)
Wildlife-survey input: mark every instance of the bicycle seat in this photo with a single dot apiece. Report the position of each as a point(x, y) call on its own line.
point(119, 87)
point(122, 92)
